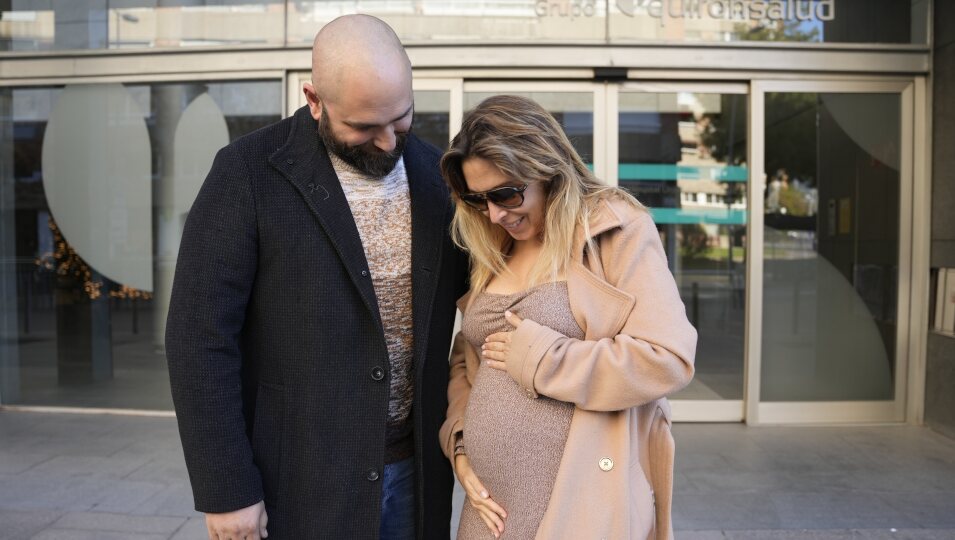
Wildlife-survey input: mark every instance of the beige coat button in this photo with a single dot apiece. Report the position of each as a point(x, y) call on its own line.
point(605, 464)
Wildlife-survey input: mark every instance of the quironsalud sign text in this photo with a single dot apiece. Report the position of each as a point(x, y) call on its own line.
point(737, 10)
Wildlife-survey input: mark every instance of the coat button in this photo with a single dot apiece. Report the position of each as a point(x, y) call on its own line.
point(605, 464)
point(364, 273)
point(371, 475)
point(290, 161)
point(377, 373)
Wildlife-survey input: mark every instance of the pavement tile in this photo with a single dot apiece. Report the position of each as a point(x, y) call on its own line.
point(126, 496)
point(102, 521)
point(700, 535)
point(163, 469)
point(70, 465)
point(23, 524)
point(157, 447)
point(172, 500)
point(34, 492)
point(910, 479)
point(106, 477)
point(17, 462)
point(849, 534)
point(725, 511)
point(729, 481)
point(694, 459)
point(796, 535)
point(836, 511)
point(930, 510)
point(79, 534)
point(193, 529)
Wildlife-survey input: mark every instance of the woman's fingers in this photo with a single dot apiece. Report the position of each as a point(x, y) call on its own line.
point(496, 349)
point(495, 346)
point(490, 354)
point(495, 364)
point(512, 319)
point(498, 512)
point(477, 489)
point(479, 494)
point(481, 498)
point(492, 520)
point(500, 337)
point(491, 512)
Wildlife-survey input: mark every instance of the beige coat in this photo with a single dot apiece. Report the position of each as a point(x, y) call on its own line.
point(615, 479)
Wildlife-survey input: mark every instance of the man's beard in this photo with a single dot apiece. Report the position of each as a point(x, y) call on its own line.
point(366, 157)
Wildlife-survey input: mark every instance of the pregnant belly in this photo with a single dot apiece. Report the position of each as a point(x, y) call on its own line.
point(514, 442)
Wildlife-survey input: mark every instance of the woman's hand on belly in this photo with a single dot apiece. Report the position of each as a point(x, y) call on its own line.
point(497, 346)
point(491, 512)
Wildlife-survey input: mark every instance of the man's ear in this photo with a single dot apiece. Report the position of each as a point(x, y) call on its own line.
point(314, 102)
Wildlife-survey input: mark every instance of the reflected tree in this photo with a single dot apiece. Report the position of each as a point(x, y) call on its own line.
point(778, 30)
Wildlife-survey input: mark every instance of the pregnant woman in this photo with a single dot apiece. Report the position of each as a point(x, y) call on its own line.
point(573, 334)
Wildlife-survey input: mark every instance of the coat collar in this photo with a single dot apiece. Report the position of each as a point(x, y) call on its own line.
point(303, 160)
point(605, 217)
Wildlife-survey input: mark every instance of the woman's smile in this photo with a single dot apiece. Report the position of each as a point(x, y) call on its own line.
point(513, 224)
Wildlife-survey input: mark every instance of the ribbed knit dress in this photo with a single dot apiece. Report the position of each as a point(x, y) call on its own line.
point(514, 443)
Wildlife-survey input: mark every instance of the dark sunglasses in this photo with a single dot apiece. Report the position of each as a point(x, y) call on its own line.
point(505, 197)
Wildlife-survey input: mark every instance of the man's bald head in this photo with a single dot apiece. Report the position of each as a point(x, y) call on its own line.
point(361, 93)
point(357, 50)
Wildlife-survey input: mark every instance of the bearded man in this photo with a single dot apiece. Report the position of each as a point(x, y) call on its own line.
point(312, 310)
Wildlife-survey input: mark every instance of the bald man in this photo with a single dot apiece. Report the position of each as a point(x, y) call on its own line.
point(312, 310)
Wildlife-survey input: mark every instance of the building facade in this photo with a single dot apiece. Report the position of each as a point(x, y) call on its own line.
point(784, 148)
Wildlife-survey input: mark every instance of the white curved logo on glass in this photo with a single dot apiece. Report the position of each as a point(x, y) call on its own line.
point(96, 174)
point(868, 130)
point(200, 134)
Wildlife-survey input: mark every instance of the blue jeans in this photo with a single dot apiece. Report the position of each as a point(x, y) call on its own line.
point(397, 501)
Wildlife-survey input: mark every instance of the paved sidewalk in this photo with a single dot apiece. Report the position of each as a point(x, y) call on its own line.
point(66, 476)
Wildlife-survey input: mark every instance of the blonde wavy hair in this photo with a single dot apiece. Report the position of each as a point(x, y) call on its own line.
point(527, 144)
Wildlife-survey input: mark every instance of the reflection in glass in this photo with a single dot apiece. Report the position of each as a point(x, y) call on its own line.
point(805, 21)
point(426, 21)
point(831, 245)
point(40, 25)
point(32, 25)
point(432, 117)
point(114, 24)
point(574, 111)
point(75, 337)
point(115, 186)
point(683, 155)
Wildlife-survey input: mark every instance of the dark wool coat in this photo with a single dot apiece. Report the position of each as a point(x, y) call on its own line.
point(274, 336)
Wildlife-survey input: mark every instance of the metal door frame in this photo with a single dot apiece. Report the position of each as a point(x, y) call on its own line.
point(911, 263)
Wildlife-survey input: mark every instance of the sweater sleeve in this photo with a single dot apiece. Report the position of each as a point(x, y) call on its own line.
point(651, 357)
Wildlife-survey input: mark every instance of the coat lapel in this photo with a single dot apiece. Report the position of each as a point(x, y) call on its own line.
point(599, 308)
point(430, 215)
point(304, 161)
